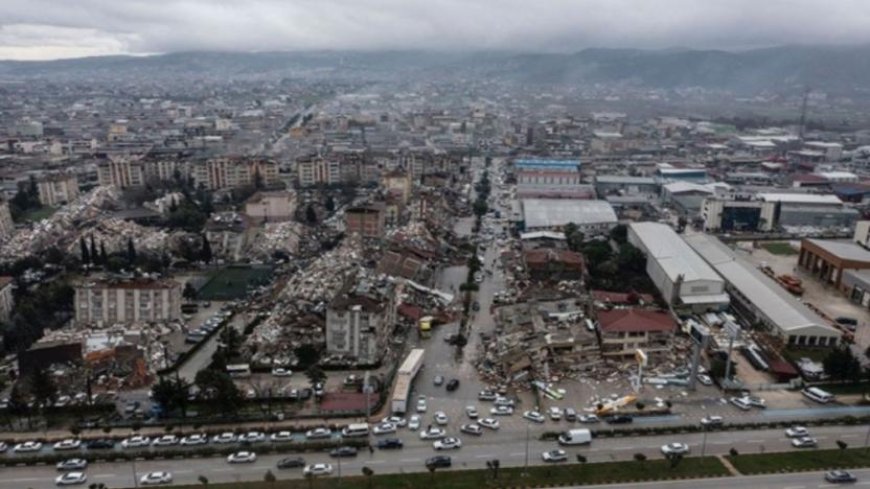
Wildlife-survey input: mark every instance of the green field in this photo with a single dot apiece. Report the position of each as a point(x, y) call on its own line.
point(538, 476)
point(232, 282)
point(37, 215)
point(801, 461)
point(779, 248)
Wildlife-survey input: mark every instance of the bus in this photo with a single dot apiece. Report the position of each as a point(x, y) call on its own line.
point(817, 395)
point(239, 370)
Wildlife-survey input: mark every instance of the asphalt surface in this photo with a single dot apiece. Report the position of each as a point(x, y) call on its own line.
point(510, 448)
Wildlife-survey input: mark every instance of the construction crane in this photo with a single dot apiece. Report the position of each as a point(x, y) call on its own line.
point(802, 126)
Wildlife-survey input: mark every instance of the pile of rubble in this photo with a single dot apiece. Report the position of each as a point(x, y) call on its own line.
point(277, 236)
point(62, 228)
point(114, 233)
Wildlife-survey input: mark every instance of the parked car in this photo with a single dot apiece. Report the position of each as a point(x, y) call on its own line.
point(281, 437)
point(68, 444)
point(27, 446)
point(414, 422)
point(433, 433)
point(165, 441)
point(291, 463)
point(224, 438)
point(534, 416)
point(490, 423)
point(705, 379)
point(501, 411)
point(452, 385)
point(282, 372)
point(619, 419)
point(471, 429)
point(439, 379)
point(399, 421)
point(740, 403)
point(195, 439)
point(101, 444)
point(486, 396)
point(570, 414)
point(588, 418)
point(555, 456)
point(441, 418)
point(711, 421)
point(555, 413)
point(471, 412)
point(384, 428)
point(318, 433)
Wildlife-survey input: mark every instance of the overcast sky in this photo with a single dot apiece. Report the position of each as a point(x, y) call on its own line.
point(46, 29)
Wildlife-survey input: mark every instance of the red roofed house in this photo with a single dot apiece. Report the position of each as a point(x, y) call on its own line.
point(625, 330)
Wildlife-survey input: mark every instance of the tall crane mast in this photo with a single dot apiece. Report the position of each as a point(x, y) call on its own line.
point(802, 127)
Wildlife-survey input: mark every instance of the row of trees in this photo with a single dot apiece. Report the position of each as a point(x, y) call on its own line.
point(621, 270)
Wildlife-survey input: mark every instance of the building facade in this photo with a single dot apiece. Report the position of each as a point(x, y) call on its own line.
point(358, 324)
point(226, 173)
point(127, 301)
point(315, 170)
point(738, 215)
point(624, 331)
point(271, 206)
point(7, 302)
point(7, 227)
point(368, 220)
point(57, 189)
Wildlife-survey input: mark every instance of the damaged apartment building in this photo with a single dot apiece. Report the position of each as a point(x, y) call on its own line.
point(359, 321)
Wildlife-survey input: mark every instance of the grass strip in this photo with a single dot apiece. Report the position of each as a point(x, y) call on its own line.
point(801, 461)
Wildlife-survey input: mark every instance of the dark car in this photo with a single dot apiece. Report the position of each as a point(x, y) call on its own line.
point(343, 452)
point(100, 444)
point(839, 477)
point(438, 462)
point(390, 443)
point(618, 419)
point(453, 385)
point(305, 394)
point(850, 323)
point(291, 463)
point(475, 306)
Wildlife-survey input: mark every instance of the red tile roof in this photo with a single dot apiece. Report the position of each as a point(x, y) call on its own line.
point(619, 297)
point(546, 255)
point(635, 320)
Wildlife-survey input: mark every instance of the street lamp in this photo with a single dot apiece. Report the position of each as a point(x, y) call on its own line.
point(135, 476)
point(526, 468)
point(704, 442)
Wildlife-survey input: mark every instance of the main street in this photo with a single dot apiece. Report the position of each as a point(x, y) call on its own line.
point(512, 449)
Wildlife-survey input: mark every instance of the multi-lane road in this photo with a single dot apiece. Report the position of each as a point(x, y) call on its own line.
point(510, 448)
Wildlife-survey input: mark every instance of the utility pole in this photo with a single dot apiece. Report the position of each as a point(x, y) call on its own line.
point(704, 442)
point(526, 468)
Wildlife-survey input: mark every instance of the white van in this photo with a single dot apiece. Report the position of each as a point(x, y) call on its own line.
point(575, 437)
point(817, 395)
point(355, 430)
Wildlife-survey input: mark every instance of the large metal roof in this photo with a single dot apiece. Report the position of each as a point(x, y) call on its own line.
point(545, 213)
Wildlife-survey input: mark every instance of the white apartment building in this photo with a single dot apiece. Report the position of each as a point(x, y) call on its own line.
point(312, 171)
point(57, 189)
point(127, 301)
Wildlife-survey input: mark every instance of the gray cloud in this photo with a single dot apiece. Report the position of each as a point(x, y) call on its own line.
point(62, 28)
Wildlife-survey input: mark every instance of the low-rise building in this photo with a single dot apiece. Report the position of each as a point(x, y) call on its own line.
point(7, 227)
point(738, 215)
point(366, 220)
point(590, 216)
point(127, 301)
point(548, 264)
point(624, 331)
point(271, 206)
point(827, 260)
point(7, 301)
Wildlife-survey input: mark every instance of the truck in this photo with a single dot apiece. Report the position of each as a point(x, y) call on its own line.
point(404, 378)
point(575, 437)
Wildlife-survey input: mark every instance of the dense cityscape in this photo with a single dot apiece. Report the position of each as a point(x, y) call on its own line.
point(339, 272)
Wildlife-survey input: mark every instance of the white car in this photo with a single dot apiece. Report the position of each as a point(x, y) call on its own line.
point(281, 436)
point(804, 442)
point(224, 438)
point(318, 433)
point(441, 418)
point(282, 372)
point(555, 456)
point(28, 446)
point(740, 403)
point(797, 432)
point(414, 422)
point(421, 404)
point(705, 379)
point(501, 411)
point(384, 429)
point(675, 449)
point(242, 458)
point(447, 444)
point(317, 469)
point(136, 442)
point(588, 418)
point(710, 421)
point(555, 413)
point(252, 437)
point(471, 429)
point(399, 421)
point(3, 446)
point(433, 433)
point(68, 444)
point(155, 478)
point(490, 423)
point(71, 479)
point(471, 412)
point(504, 401)
point(73, 464)
point(534, 416)
point(195, 439)
point(165, 441)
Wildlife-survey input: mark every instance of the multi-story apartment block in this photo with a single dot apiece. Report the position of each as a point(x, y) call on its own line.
point(315, 170)
point(7, 227)
point(57, 188)
point(359, 321)
point(120, 171)
point(221, 173)
point(366, 220)
point(6, 299)
point(127, 301)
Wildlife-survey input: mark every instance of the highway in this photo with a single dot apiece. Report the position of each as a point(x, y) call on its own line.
point(511, 449)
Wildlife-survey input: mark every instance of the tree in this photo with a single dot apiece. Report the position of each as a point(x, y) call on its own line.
point(104, 257)
point(269, 477)
point(639, 405)
point(841, 364)
point(493, 465)
point(619, 233)
point(310, 215)
point(330, 204)
point(219, 387)
point(843, 445)
point(203, 480)
point(368, 473)
point(631, 259)
point(43, 388)
point(86, 254)
point(573, 237)
point(171, 394)
point(131, 252)
point(641, 458)
point(315, 374)
point(307, 355)
point(75, 430)
point(674, 459)
point(205, 252)
point(230, 341)
point(733, 452)
point(581, 458)
point(189, 292)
